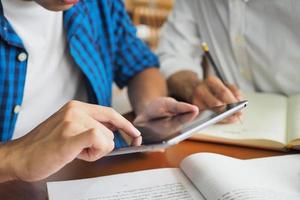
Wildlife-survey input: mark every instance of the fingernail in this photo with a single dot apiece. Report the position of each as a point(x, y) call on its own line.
point(136, 141)
point(196, 109)
point(137, 132)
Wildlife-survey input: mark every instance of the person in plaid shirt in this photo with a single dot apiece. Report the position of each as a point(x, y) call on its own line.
point(58, 59)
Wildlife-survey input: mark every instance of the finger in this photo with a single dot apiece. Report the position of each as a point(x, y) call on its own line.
point(136, 141)
point(207, 97)
point(90, 123)
point(84, 138)
point(77, 140)
point(93, 144)
point(220, 90)
point(174, 107)
point(110, 116)
point(236, 92)
point(110, 126)
point(77, 116)
point(68, 149)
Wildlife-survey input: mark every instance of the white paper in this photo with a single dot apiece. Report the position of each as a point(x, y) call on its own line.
point(159, 184)
point(222, 178)
point(264, 118)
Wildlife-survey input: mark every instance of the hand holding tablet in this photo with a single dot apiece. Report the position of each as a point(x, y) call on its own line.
point(164, 132)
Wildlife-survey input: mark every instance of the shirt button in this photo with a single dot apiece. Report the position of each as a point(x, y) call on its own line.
point(17, 109)
point(22, 57)
point(5, 28)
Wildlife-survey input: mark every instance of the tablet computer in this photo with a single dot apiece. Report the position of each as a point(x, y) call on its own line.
point(165, 132)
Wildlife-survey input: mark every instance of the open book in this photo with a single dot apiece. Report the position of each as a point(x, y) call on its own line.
point(202, 176)
point(270, 121)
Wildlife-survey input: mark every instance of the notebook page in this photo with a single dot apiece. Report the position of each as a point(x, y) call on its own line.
point(264, 118)
point(293, 125)
point(158, 184)
point(220, 178)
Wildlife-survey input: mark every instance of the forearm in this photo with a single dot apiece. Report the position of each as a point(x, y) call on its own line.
point(182, 84)
point(145, 87)
point(5, 167)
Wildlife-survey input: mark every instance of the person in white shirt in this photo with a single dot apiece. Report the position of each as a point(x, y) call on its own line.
point(256, 45)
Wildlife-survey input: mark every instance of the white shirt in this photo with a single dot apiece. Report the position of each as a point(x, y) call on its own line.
point(52, 79)
point(255, 42)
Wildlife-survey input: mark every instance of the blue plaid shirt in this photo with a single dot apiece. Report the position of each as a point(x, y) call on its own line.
point(103, 43)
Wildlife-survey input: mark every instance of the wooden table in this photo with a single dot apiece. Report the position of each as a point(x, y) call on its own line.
point(120, 164)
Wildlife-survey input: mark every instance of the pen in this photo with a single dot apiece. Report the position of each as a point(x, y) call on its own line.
point(213, 64)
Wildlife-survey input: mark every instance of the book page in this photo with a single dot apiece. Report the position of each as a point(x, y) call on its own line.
point(264, 118)
point(158, 184)
point(293, 125)
point(221, 178)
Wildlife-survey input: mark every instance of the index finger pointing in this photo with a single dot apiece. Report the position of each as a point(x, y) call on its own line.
point(110, 116)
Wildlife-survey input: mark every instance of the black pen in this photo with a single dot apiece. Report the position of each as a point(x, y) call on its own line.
point(212, 62)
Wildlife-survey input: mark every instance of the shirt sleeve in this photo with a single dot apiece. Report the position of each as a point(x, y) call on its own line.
point(133, 55)
point(180, 42)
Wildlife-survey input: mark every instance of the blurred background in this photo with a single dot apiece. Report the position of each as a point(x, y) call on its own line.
point(148, 16)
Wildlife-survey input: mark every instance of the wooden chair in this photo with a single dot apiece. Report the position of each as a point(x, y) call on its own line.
point(153, 14)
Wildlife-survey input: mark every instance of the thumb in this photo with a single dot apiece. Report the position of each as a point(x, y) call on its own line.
point(174, 107)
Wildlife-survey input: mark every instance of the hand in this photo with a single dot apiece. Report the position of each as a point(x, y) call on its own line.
point(212, 92)
point(205, 94)
point(168, 126)
point(78, 130)
point(164, 107)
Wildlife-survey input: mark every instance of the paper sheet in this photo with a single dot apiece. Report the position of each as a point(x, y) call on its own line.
point(264, 118)
point(221, 178)
point(160, 184)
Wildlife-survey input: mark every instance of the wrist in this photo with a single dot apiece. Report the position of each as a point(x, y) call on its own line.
point(145, 88)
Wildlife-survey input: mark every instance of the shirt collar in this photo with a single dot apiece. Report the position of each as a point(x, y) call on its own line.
point(6, 31)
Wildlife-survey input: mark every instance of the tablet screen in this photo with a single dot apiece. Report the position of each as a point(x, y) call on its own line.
point(164, 129)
